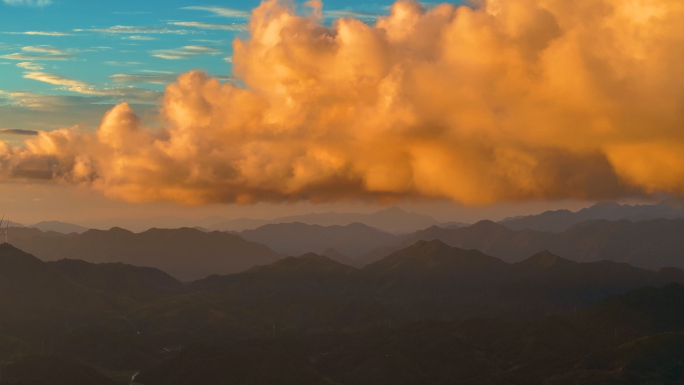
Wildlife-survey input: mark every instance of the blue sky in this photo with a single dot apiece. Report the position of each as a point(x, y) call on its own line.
point(63, 63)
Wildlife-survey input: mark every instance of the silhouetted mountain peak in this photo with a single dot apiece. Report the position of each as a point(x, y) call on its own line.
point(605, 205)
point(434, 256)
point(486, 227)
point(545, 260)
point(435, 245)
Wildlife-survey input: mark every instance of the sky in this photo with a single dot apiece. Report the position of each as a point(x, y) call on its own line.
point(489, 110)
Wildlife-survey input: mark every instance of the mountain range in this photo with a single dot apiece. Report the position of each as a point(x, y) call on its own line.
point(651, 244)
point(392, 220)
point(353, 240)
point(561, 220)
point(189, 254)
point(186, 254)
point(427, 313)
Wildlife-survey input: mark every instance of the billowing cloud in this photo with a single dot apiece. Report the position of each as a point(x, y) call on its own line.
point(511, 100)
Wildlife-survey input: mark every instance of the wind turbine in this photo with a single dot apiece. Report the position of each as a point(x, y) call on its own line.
point(6, 230)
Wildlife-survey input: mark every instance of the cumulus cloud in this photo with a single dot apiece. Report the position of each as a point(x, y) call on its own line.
point(510, 100)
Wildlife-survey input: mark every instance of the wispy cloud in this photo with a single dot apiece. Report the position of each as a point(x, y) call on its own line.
point(85, 96)
point(57, 80)
point(43, 49)
point(126, 29)
point(154, 78)
point(185, 52)
point(210, 41)
point(335, 14)
point(17, 131)
point(40, 33)
point(23, 56)
point(216, 26)
point(35, 101)
point(131, 94)
point(222, 11)
point(46, 52)
point(123, 63)
point(138, 37)
point(28, 3)
point(30, 66)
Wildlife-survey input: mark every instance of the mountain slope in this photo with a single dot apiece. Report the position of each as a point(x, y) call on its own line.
point(33, 292)
point(118, 279)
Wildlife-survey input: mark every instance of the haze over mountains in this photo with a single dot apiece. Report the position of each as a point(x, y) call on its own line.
point(191, 253)
point(650, 244)
point(184, 253)
point(353, 240)
point(561, 220)
point(393, 220)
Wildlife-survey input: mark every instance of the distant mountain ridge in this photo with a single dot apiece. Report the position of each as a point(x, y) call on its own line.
point(651, 244)
point(60, 227)
point(393, 220)
point(561, 220)
point(184, 253)
point(298, 238)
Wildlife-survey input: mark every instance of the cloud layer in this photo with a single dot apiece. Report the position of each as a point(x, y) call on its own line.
point(506, 101)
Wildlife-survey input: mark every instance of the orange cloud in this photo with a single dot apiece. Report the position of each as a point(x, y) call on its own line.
point(507, 100)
